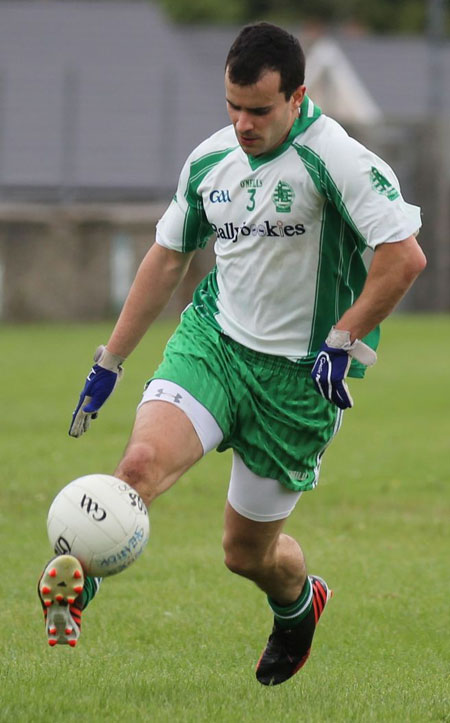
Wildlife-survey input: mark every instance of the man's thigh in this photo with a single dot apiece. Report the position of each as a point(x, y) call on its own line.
point(162, 446)
point(282, 425)
point(261, 499)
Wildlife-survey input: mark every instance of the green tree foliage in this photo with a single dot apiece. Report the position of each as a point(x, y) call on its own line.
point(380, 16)
point(206, 11)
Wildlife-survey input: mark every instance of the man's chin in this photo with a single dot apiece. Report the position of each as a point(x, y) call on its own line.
point(251, 147)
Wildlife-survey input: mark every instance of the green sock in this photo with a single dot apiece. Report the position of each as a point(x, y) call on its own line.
point(288, 616)
point(91, 586)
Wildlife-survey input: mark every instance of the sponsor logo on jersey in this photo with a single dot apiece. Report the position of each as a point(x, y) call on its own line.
point(220, 196)
point(381, 184)
point(230, 232)
point(283, 197)
point(251, 183)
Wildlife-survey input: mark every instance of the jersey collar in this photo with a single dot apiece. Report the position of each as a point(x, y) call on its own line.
point(309, 112)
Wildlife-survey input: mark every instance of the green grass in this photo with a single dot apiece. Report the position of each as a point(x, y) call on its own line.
point(176, 637)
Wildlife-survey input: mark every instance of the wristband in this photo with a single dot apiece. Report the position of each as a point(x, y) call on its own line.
point(340, 339)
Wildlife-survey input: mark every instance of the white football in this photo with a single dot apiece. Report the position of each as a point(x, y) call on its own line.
point(100, 520)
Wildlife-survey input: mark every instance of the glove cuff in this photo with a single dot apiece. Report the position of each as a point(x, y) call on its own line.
point(109, 361)
point(340, 339)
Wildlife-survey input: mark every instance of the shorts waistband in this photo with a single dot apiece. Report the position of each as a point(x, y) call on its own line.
point(271, 361)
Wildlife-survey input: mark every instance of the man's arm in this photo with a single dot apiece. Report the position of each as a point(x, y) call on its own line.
point(157, 277)
point(394, 268)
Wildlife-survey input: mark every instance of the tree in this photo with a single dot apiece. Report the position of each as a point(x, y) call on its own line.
point(382, 16)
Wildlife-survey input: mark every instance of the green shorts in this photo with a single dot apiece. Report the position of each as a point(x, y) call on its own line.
point(266, 406)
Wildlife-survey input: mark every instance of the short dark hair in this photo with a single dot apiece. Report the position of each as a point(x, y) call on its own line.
point(262, 47)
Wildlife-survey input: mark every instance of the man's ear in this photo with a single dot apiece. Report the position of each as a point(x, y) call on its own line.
point(298, 95)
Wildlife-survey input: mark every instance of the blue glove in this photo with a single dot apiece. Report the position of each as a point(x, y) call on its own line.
point(99, 385)
point(333, 362)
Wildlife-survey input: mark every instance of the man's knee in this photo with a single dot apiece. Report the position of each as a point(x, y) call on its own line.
point(141, 468)
point(242, 558)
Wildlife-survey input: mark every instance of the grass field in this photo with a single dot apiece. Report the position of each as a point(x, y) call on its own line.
point(176, 637)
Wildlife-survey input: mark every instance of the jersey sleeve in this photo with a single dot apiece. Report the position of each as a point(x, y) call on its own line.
point(364, 189)
point(184, 226)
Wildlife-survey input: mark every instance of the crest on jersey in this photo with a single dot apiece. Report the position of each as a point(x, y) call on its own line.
point(381, 184)
point(283, 197)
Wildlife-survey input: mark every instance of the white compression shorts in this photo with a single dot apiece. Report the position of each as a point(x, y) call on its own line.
point(261, 499)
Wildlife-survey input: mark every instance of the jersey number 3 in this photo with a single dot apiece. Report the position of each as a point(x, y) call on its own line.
point(251, 204)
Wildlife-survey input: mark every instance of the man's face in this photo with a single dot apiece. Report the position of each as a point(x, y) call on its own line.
point(260, 114)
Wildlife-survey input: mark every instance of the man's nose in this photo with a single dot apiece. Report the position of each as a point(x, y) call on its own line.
point(244, 122)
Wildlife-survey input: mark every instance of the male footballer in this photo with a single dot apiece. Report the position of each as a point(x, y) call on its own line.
point(260, 358)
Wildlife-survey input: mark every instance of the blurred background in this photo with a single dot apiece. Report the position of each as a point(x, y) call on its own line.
point(101, 102)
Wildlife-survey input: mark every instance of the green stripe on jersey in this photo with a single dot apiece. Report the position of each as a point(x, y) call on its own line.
point(197, 229)
point(341, 271)
point(327, 187)
point(205, 298)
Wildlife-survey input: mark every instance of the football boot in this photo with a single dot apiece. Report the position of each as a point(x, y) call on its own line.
point(59, 588)
point(287, 650)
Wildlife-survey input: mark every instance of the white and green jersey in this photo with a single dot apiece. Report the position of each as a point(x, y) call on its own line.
point(290, 227)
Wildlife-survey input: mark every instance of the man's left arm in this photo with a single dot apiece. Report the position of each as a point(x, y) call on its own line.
point(393, 270)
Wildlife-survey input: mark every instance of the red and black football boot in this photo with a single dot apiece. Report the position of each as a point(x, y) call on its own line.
point(59, 589)
point(288, 650)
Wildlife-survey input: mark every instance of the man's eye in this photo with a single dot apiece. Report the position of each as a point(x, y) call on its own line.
point(261, 111)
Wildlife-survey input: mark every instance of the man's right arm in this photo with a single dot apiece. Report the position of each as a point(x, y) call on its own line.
point(157, 277)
